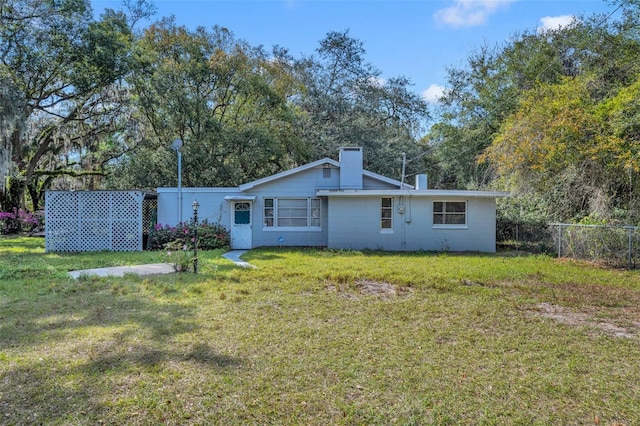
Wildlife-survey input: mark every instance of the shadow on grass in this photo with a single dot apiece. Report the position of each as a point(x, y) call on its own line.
point(48, 392)
point(69, 347)
point(261, 254)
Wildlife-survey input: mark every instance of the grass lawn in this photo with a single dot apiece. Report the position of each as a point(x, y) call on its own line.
point(318, 337)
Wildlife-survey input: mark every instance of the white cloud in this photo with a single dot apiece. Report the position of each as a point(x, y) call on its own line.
point(469, 13)
point(551, 23)
point(377, 81)
point(433, 93)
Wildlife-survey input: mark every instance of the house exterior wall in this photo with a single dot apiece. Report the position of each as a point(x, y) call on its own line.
point(215, 209)
point(300, 185)
point(347, 221)
point(354, 223)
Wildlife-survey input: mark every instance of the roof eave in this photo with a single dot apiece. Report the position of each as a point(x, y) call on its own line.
point(431, 193)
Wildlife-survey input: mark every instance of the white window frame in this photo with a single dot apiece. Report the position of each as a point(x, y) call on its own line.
point(272, 217)
point(445, 214)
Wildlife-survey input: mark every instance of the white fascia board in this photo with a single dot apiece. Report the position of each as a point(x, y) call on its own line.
point(198, 190)
point(430, 193)
point(250, 185)
point(59, 191)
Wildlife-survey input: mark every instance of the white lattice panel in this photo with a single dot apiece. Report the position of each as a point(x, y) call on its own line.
point(94, 205)
point(61, 221)
point(93, 220)
point(126, 236)
point(125, 205)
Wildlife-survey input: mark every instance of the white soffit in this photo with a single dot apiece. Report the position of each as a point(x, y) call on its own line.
point(240, 198)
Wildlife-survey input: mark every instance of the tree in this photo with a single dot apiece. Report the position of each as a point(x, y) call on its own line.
point(64, 69)
point(225, 99)
point(345, 102)
point(10, 121)
point(567, 148)
point(550, 115)
point(483, 93)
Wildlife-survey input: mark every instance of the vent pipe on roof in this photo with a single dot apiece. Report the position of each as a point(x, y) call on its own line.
point(421, 182)
point(351, 168)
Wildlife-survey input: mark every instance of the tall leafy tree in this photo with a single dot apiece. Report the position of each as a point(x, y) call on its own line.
point(550, 115)
point(64, 68)
point(225, 99)
point(564, 146)
point(571, 141)
point(483, 93)
point(346, 102)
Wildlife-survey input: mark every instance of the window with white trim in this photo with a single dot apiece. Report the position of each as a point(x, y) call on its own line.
point(292, 212)
point(386, 213)
point(449, 212)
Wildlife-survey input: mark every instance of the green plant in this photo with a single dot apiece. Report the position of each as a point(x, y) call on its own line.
point(180, 256)
point(210, 236)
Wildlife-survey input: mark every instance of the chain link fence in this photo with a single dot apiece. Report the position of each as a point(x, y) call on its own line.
point(616, 246)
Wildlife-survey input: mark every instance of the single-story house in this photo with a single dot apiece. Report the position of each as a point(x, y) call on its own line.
point(339, 205)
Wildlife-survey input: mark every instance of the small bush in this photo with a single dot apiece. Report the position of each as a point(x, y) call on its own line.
point(606, 244)
point(210, 236)
point(19, 221)
point(181, 258)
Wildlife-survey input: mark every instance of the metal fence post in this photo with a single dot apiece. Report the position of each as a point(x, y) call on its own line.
point(630, 245)
point(559, 240)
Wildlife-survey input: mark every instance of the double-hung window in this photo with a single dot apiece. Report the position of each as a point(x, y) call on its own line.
point(292, 213)
point(449, 213)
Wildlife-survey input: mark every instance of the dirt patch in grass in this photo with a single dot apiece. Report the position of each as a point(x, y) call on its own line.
point(380, 289)
point(608, 296)
point(571, 318)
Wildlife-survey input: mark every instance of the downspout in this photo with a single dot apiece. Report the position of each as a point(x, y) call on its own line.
point(401, 212)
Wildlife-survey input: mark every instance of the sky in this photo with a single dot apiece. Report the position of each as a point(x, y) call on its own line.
point(417, 39)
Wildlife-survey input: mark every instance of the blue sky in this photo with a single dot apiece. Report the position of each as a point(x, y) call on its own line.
point(418, 39)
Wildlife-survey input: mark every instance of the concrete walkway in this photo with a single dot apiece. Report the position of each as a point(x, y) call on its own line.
point(154, 268)
point(120, 271)
point(234, 256)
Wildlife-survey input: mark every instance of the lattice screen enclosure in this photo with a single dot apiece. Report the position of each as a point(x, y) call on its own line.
point(96, 220)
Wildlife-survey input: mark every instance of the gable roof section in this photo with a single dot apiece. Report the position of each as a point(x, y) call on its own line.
point(385, 179)
point(317, 163)
point(253, 184)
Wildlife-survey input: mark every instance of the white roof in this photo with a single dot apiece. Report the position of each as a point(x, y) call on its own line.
point(431, 193)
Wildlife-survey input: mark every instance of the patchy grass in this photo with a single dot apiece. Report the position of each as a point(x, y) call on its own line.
point(318, 337)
